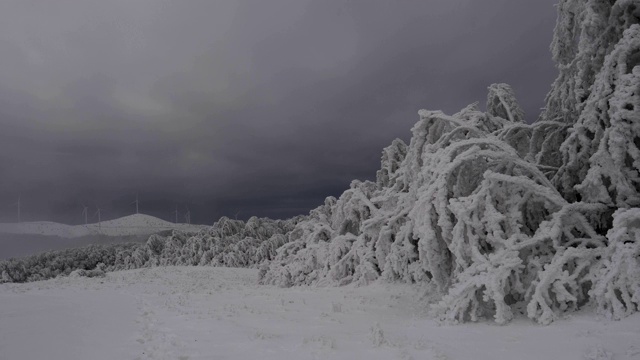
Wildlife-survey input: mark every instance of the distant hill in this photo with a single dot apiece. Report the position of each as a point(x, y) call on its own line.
point(21, 245)
point(137, 224)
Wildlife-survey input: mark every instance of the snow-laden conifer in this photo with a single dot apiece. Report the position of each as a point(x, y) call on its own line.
point(617, 284)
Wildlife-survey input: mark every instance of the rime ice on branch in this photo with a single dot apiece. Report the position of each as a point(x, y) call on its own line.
point(597, 49)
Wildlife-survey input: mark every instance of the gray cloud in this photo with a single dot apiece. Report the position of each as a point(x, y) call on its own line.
point(252, 106)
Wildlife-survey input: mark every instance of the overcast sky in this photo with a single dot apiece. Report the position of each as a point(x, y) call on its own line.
point(257, 107)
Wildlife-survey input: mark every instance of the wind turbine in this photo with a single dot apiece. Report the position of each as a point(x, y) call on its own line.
point(98, 213)
point(19, 207)
point(187, 216)
point(176, 212)
point(85, 212)
point(137, 203)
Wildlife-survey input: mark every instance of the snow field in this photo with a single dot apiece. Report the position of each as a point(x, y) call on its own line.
point(220, 313)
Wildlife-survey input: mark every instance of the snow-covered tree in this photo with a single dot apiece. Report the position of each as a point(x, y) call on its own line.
point(470, 214)
point(617, 284)
point(501, 102)
point(595, 47)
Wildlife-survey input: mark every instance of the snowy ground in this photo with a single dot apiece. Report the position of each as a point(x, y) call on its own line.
point(217, 313)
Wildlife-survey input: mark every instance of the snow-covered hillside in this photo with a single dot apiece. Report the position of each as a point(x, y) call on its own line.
point(232, 243)
point(191, 313)
point(136, 224)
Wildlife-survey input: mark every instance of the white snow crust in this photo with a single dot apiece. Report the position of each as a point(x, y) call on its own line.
point(191, 313)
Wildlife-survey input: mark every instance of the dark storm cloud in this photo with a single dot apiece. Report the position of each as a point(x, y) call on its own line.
point(252, 106)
